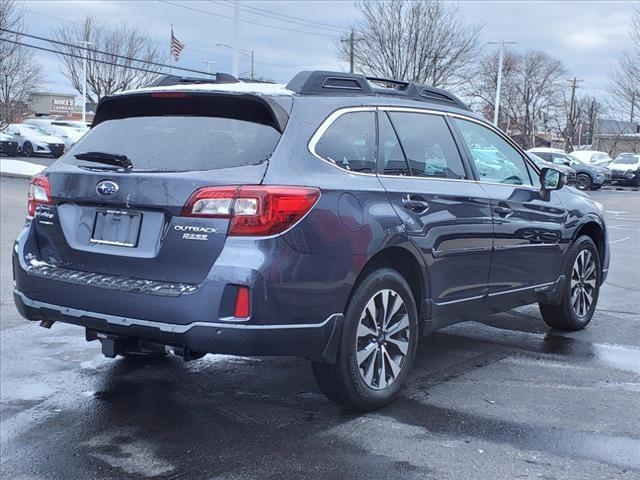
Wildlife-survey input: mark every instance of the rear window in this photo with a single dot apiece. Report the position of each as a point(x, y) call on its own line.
point(179, 143)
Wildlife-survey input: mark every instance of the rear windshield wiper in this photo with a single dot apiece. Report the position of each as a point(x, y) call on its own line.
point(106, 158)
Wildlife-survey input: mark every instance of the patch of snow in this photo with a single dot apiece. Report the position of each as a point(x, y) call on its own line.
point(274, 89)
point(34, 262)
point(18, 168)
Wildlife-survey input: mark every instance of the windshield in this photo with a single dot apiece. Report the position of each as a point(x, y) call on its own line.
point(180, 143)
point(578, 160)
point(34, 129)
point(627, 159)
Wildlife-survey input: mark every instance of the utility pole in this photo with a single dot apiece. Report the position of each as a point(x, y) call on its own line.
point(496, 110)
point(85, 44)
point(353, 40)
point(633, 105)
point(252, 76)
point(236, 39)
point(352, 46)
point(572, 105)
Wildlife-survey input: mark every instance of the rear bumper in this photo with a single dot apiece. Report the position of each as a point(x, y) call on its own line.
point(316, 341)
point(294, 311)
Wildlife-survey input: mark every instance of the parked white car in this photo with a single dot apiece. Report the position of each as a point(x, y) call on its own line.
point(537, 150)
point(593, 157)
point(33, 140)
point(69, 131)
point(626, 168)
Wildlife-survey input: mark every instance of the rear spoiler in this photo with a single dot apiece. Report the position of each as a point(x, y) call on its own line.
point(240, 106)
point(167, 80)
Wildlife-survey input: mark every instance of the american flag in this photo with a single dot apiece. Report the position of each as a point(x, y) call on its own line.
point(176, 46)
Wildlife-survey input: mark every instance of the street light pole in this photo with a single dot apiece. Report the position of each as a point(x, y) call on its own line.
point(248, 53)
point(496, 109)
point(208, 63)
point(236, 39)
point(85, 44)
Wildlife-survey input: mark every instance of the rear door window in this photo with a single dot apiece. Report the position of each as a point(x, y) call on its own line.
point(428, 145)
point(393, 161)
point(349, 142)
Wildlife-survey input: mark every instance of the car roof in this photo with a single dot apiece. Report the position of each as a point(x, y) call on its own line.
point(341, 89)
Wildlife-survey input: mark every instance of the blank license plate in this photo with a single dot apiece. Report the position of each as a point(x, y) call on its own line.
point(116, 227)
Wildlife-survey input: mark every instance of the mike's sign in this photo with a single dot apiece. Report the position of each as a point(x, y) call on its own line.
point(62, 104)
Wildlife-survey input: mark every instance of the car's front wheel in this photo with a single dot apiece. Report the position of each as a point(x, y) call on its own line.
point(583, 181)
point(27, 149)
point(580, 294)
point(378, 345)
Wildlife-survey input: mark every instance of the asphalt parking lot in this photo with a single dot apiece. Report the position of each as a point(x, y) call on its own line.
point(502, 399)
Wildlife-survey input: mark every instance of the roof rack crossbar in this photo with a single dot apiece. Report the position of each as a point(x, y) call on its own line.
point(392, 81)
point(344, 83)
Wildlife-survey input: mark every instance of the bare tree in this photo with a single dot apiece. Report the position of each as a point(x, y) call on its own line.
point(20, 75)
point(107, 72)
point(577, 121)
point(531, 91)
point(421, 40)
point(625, 83)
point(481, 88)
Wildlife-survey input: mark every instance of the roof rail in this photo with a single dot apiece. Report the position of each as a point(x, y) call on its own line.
point(343, 83)
point(167, 80)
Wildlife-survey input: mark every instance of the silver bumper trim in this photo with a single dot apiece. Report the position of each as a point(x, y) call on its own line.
point(165, 327)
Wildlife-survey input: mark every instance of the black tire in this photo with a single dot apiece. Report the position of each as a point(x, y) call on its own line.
point(564, 316)
point(583, 181)
point(27, 149)
point(342, 381)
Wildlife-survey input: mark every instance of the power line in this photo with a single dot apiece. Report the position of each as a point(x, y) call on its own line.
point(281, 17)
point(206, 12)
point(157, 42)
point(131, 59)
point(80, 57)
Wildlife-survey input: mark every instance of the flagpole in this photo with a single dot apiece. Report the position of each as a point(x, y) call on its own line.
point(170, 50)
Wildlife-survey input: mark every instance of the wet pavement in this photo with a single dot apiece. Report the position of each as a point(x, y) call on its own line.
point(502, 399)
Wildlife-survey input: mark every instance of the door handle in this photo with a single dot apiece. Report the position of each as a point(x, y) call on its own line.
point(502, 211)
point(415, 204)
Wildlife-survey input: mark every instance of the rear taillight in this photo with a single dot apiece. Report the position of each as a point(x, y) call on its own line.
point(39, 193)
point(254, 210)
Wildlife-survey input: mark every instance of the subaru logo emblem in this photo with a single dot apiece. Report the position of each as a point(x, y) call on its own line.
point(107, 188)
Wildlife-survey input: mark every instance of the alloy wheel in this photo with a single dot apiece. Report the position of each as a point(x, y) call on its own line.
point(382, 339)
point(583, 283)
point(582, 182)
point(28, 149)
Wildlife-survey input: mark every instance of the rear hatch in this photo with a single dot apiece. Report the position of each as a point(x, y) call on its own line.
point(124, 218)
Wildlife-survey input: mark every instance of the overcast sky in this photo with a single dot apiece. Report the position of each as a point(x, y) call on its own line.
point(587, 37)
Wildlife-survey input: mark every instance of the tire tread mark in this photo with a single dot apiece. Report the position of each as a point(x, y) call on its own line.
point(418, 385)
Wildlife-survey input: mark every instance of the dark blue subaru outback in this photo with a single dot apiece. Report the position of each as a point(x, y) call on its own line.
point(339, 218)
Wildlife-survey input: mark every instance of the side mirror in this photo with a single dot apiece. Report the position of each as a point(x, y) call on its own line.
point(552, 179)
point(567, 163)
